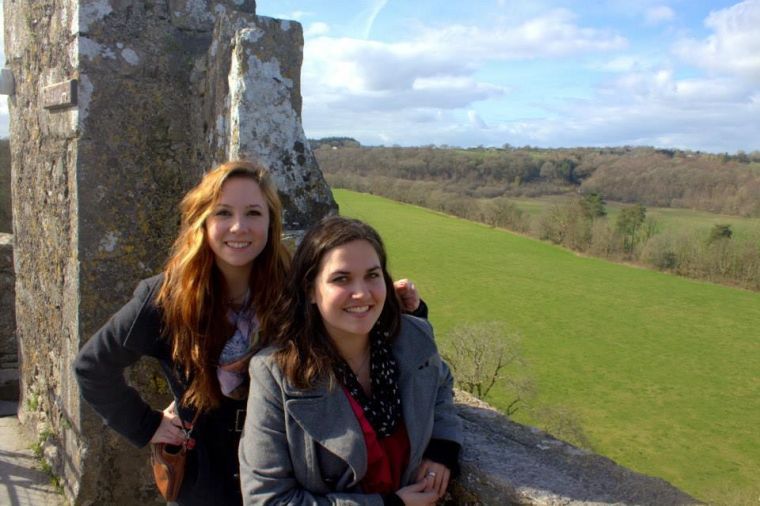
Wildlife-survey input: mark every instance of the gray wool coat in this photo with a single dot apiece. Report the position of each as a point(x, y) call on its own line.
point(306, 447)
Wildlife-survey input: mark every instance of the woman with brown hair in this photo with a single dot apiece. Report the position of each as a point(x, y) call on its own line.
point(353, 404)
point(200, 319)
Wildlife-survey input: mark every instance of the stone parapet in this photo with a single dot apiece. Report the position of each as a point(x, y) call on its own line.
point(504, 462)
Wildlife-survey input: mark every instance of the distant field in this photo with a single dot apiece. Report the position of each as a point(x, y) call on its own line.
point(668, 218)
point(664, 372)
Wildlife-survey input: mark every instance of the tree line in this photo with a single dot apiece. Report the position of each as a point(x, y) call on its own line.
point(719, 183)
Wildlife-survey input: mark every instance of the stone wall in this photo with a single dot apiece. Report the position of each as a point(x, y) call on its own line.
point(507, 463)
point(119, 106)
point(40, 49)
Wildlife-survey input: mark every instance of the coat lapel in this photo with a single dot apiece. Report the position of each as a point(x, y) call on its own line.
point(326, 416)
point(418, 378)
point(417, 396)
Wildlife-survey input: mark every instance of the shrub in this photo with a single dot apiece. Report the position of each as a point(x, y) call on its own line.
point(659, 252)
point(720, 232)
point(501, 212)
point(480, 355)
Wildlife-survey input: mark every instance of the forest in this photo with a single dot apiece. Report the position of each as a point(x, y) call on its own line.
point(718, 183)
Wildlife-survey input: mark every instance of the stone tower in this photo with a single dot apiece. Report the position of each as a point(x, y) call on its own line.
point(118, 107)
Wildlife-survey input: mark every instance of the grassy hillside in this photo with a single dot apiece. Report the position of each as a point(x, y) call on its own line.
point(662, 371)
point(667, 218)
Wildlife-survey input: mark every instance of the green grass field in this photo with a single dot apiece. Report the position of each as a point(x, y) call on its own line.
point(662, 371)
point(668, 218)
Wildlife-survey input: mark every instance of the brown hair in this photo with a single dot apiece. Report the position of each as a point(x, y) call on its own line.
point(306, 352)
point(192, 296)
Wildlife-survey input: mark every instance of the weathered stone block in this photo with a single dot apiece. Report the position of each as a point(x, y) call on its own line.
point(60, 95)
point(507, 463)
point(265, 116)
point(201, 14)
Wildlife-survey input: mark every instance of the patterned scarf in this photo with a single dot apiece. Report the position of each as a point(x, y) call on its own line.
point(383, 410)
point(232, 371)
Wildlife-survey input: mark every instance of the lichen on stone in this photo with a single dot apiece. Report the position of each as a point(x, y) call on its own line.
point(92, 11)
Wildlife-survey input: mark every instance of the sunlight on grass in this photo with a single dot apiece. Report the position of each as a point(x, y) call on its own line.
point(661, 370)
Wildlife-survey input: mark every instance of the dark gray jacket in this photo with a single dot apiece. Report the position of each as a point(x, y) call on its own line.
point(211, 476)
point(306, 447)
point(134, 331)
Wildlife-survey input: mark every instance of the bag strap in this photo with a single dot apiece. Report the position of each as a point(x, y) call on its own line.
point(188, 432)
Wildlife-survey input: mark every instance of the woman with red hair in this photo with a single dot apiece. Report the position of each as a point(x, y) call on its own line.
point(200, 319)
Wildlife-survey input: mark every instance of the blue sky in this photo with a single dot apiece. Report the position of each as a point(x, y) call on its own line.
point(678, 73)
point(549, 73)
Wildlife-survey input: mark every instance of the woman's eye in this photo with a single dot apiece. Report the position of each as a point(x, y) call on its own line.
point(222, 212)
point(339, 279)
point(374, 275)
point(254, 213)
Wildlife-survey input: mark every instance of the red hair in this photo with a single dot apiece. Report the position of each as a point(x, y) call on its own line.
point(193, 293)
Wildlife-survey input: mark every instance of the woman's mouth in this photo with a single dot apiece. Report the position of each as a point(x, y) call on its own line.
point(237, 244)
point(357, 309)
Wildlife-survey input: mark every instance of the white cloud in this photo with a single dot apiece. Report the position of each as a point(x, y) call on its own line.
point(624, 63)
point(299, 15)
point(652, 108)
point(316, 29)
point(659, 14)
point(422, 89)
point(437, 67)
point(734, 46)
point(553, 34)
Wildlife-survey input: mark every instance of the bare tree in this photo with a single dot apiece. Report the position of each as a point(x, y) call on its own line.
point(483, 354)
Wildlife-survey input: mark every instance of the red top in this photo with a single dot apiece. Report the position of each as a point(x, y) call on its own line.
point(386, 458)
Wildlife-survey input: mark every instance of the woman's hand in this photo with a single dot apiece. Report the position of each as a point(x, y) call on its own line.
point(407, 293)
point(417, 495)
point(170, 430)
point(437, 474)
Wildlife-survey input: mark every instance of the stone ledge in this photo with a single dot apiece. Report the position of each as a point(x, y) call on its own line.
point(507, 463)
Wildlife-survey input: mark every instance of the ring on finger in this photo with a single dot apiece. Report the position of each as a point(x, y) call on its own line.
point(431, 473)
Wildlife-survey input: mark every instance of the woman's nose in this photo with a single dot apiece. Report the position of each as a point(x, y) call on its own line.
point(359, 290)
point(238, 224)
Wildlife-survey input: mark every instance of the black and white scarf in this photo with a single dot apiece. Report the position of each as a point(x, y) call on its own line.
point(383, 410)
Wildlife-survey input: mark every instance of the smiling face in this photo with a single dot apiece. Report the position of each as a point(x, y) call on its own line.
point(349, 290)
point(238, 227)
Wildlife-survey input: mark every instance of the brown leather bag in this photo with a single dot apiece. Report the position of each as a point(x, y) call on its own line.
point(168, 463)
